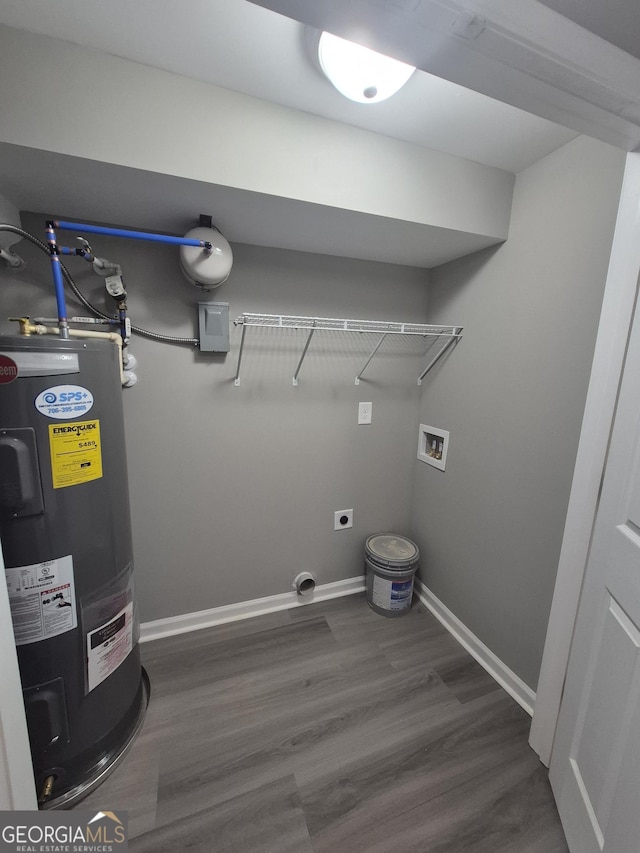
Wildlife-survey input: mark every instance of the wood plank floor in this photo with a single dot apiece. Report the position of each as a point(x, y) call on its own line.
point(330, 729)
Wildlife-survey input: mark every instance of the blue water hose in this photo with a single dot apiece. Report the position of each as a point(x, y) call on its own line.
point(58, 281)
point(55, 252)
point(131, 235)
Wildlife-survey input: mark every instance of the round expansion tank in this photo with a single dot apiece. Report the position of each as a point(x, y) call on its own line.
point(206, 269)
point(66, 539)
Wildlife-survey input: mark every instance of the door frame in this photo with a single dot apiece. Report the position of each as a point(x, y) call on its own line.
point(17, 788)
point(606, 372)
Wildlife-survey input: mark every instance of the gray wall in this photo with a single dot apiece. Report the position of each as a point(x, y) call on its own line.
point(233, 489)
point(512, 394)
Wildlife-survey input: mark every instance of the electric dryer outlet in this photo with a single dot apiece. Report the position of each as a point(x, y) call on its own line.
point(343, 519)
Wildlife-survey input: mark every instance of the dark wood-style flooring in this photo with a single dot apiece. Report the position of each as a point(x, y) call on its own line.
point(330, 729)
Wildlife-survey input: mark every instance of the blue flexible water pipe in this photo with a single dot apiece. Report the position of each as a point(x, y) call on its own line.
point(58, 281)
point(55, 252)
point(130, 235)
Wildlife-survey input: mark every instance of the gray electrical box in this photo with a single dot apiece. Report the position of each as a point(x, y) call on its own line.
point(214, 326)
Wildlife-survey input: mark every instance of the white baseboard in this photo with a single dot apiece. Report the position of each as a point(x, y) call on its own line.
point(506, 678)
point(173, 625)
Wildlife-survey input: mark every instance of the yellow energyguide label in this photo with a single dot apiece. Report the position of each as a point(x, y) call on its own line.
point(76, 455)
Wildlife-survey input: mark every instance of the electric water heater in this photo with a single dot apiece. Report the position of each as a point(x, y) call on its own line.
point(66, 540)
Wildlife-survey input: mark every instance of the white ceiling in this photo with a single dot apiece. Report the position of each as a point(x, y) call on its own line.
point(616, 21)
point(527, 54)
point(574, 69)
point(252, 50)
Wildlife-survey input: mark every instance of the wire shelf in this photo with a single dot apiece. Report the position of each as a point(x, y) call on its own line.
point(283, 321)
point(448, 334)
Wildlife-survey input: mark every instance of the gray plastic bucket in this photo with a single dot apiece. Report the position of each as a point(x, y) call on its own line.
point(391, 562)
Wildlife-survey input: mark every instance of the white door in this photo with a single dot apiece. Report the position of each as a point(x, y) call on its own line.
point(595, 764)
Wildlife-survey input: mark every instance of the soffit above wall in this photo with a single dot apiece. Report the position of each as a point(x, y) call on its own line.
point(153, 150)
point(138, 199)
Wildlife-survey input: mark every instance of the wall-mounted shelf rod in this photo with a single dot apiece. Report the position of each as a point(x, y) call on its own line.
point(304, 352)
point(366, 364)
point(451, 340)
point(236, 381)
point(449, 334)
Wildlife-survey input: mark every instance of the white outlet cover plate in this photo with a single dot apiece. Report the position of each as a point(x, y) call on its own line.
point(337, 525)
point(365, 412)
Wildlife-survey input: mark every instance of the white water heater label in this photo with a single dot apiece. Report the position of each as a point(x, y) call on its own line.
point(391, 595)
point(43, 363)
point(108, 646)
point(42, 598)
point(64, 402)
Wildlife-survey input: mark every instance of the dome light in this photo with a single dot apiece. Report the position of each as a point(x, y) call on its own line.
point(359, 73)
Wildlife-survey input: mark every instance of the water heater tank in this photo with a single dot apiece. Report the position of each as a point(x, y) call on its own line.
point(66, 539)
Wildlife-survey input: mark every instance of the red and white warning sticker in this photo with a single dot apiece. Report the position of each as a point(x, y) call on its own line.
point(42, 600)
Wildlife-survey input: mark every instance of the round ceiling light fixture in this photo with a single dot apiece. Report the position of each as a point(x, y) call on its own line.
point(359, 73)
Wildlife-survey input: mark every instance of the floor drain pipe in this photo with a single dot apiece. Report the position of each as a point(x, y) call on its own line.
point(304, 583)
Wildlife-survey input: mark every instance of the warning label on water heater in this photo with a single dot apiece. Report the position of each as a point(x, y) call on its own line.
point(108, 646)
point(42, 600)
point(76, 454)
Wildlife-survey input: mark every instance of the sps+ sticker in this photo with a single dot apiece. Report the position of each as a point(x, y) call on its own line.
point(64, 402)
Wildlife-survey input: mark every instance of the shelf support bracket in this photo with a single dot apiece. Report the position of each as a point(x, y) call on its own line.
point(453, 339)
point(236, 381)
point(366, 364)
point(304, 352)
